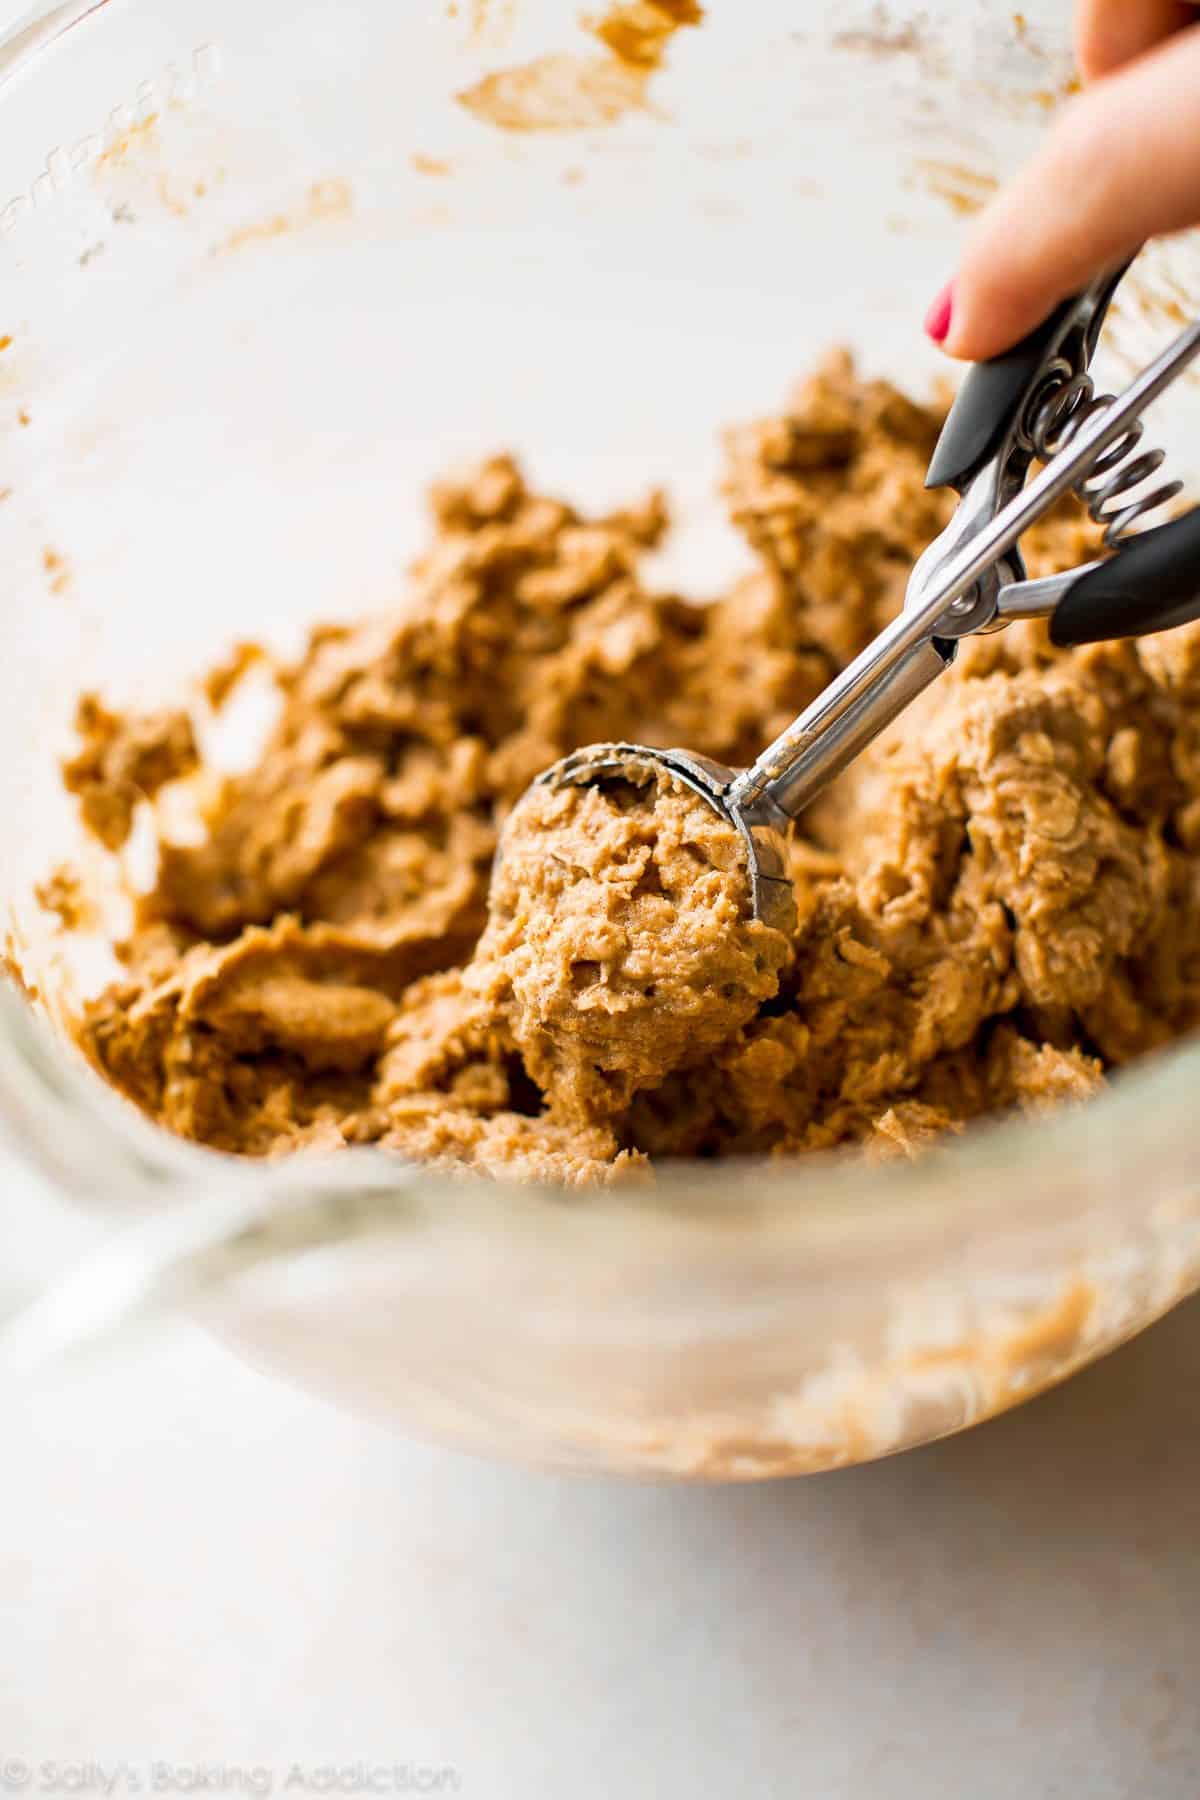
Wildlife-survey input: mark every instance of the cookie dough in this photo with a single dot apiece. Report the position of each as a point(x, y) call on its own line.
point(996, 905)
point(621, 944)
point(121, 761)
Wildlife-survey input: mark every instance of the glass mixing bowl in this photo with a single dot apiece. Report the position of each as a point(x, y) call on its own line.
point(268, 267)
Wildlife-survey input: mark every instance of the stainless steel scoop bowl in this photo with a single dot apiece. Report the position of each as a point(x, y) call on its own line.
point(770, 888)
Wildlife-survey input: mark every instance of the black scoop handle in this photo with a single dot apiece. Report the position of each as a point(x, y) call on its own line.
point(1151, 584)
point(994, 395)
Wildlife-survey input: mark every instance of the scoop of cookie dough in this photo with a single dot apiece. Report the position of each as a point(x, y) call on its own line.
point(621, 943)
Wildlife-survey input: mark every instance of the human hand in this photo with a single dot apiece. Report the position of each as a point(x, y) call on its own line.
point(1121, 165)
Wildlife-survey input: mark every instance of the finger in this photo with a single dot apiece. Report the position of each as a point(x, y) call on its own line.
point(1121, 166)
point(1110, 33)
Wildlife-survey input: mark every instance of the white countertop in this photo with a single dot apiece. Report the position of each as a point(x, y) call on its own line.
point(199, 1565)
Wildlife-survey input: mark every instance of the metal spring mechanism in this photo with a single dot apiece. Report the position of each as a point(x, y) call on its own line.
point(1060, 408)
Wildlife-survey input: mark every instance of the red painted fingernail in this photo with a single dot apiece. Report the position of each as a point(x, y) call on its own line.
point(937, 319)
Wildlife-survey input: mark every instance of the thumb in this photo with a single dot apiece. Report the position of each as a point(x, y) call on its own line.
point(1122, 165)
